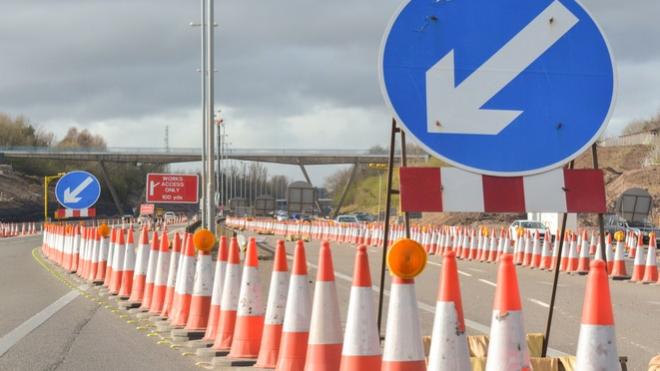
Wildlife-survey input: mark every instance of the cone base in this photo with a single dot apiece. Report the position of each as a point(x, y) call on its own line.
point(323, 357)
point(403, 366)
point(293, 350)
point(247, 337)
point(270, 346)
point(359, 363)
point(199, 313)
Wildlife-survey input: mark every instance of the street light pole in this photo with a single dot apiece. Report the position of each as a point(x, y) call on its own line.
point(210, 179)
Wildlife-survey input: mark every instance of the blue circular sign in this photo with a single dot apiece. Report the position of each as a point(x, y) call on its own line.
point(507, 87)
point(77, 190)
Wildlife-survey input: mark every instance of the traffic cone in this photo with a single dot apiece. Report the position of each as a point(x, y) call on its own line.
point(449, 350)
point(160, 278)
point(140, 272)
point(572, 255)
point(564, 265)
point(101, 261)
point(325, 337)
point(277, 294)
point(546, 257)
point(596, 348)
point(229, 302)
point(619, 265)
point(216, 295)
point(295, 332)
point(583, 260)
point(536, 251)
point(184, 284)
point(175, 256)
point(609, 253)
point(403, 349)
point(110, 256)
point(200, 301)
point(361, 350)
point(507, 348)
point(638, 266)
point(651, 269)
point(117, 263)
point(529, 249)
point(250, 314)
point(151, 272)
point(128, 270)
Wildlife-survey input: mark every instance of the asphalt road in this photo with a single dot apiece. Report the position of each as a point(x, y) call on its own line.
point(83, 335)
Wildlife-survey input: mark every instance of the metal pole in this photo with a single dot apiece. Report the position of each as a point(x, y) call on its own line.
point(548, 325)
point(404, 163)
point(210, 179)
point(218, 174)
point(386, 227)
point(601, 222)
point(45, 199)
point(203, 69)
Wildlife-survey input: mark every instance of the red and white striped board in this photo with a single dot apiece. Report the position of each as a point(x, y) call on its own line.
point(75, 213)
point(453, 190)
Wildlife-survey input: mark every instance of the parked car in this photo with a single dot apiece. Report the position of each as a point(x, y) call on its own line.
point(528, 225)
point(281, 215)
point(348, 218)
point(645, 228)
point(169, 216)
point(127, 218)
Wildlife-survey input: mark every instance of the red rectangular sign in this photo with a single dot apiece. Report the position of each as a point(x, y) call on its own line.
point(172, 188)
point(147, 209)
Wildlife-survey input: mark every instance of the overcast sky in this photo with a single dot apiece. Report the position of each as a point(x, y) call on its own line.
point(291, 73)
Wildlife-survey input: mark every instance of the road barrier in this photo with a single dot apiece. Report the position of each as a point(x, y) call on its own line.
point(293, 332)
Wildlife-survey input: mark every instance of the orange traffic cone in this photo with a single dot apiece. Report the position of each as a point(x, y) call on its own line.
point(638, 266)
point(151, 272)
point(651, 269)
point(619, 267)
point(449, 349)
point(200, 301)
point(117, 263)
point(546, 257)
point(140, 272)
point(160, 278)
point(129, 267)
point(361, 350)
point(175, 256)
point(507, 348)
point(110, 256)
point(216, 295)
point(583, 260)
point(184, 285)
point(229, 303)
point(277, 293)
point(403, 349)
point(101, 261)
point(597, 343)
point(295, 332)
point(250, 314)
point(325, 337)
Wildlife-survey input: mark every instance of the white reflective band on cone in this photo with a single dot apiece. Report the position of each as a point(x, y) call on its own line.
point(361, 331)
point(597, 349)
point(298, 305)
point(449, 350)
point(277, 293)
point(250, 301)
point(511, 355)
point(403, 339)
point(203, 276)
point(326, 293)
point(232, 288)
point(218, 282)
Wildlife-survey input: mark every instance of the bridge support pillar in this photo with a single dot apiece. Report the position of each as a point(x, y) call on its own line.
point(309, 180)
point(113, 193)
point(345, 191)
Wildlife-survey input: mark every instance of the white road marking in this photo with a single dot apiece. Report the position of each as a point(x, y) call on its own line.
point(15, 335)
point(477, 270)
point(466, 274)
point(488, 282)
point(654, 302)
point(544, 305)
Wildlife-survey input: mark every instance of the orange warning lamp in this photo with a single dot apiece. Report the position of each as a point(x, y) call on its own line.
point(203, 239)
point(520, 231)
point(406, 258)
point(104, 230)
point(618, 236)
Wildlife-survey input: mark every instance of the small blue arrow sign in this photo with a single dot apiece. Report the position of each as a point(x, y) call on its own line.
point(507, 87)
point(77, 190)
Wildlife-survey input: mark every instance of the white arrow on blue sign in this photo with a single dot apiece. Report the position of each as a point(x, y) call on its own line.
point(77, 190)
point(506, 87)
